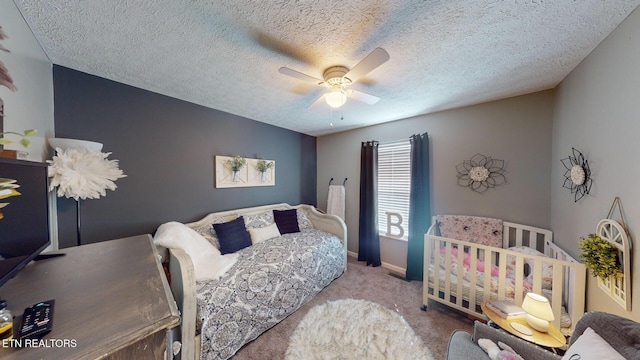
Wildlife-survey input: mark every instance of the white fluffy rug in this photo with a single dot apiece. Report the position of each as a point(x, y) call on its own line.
point(354, 329)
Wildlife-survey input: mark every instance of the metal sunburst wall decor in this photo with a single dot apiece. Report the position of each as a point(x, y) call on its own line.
point(481, 173)
point(577, 178)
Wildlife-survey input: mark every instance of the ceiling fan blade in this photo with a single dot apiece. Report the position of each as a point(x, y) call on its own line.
point(298, 75)
point(317, 101)
point(361, 96)
point(376, 58)
point(278, 46)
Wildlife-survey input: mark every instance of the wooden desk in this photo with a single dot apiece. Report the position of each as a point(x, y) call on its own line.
point(112, 302)
point(552, 339)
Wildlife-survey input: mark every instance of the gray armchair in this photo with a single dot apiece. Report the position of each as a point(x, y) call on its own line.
point(621, 333)
point(463, 345)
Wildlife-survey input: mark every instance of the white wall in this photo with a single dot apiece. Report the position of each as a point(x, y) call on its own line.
point(597, 111)
point(516, 130)
point(31, 106)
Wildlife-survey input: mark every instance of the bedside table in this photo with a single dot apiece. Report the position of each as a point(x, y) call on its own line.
point(551, 339)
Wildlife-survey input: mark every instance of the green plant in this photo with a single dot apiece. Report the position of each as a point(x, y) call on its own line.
point(23, 137)
point(263, 165)
point(236, 163)
point(600, 256)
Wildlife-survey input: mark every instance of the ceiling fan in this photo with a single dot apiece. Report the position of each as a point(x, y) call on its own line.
point(337, 79)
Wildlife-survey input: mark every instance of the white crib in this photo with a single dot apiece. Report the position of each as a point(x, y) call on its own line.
point(452, 287)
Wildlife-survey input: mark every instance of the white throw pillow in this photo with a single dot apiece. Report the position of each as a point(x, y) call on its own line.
point(264, 233)
point(590, 346)
point(208, 263)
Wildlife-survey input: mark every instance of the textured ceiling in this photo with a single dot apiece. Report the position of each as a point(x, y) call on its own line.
point(225, 54)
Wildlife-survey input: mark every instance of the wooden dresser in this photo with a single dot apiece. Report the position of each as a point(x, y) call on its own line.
point(112, 302)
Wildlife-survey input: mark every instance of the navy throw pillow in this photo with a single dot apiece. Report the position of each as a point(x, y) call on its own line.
point(287, 221)
point(232, 235)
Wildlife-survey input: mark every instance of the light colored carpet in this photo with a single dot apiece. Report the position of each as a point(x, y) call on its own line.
point(355, 329)
point(373, 284)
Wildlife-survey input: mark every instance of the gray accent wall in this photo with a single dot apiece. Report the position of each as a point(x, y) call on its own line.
point(516, 130)
point(597, 111)
point(166, 147)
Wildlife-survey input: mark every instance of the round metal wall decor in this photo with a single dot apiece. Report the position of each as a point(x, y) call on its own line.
point(481, 173)
point(577, 177)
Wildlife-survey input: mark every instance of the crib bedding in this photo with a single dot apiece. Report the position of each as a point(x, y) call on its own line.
point(521, 254)
point(480, 272)
point(510, 285)
point(565, 320)
point(546, 272)
point(270, 280)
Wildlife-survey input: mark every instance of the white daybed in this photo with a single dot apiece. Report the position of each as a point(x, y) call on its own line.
point(552, 271)
point(218, 317)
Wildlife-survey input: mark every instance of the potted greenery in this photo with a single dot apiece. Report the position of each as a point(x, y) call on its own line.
point(262, 166)
point(600, 256)
point(23, 137)
point(235, 164)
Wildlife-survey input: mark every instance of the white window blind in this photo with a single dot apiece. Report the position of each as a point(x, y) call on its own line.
point(394, 177)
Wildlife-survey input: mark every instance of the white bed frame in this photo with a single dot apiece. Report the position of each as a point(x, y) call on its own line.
point(183, 283)
point(569, 275)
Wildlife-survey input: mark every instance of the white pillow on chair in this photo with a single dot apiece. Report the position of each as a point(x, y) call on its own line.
point(591, 346)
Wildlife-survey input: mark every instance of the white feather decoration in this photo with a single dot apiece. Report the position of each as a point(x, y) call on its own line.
point(83, 174)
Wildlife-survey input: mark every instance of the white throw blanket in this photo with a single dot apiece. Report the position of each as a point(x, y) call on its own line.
point(208, 263)
point(335, 201)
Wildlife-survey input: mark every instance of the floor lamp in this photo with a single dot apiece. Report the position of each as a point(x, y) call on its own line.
point(79, 170)
point(79, 242)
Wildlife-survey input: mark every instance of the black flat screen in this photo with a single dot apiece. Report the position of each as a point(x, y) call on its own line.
point(24, 227)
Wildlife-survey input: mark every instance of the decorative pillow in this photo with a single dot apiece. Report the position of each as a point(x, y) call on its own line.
point(547, 268)
point(287, 221)
point(259, 220)
point(207, 230)
point(303, 220)
point(207, 261)
point(264, 233)
point(591, 346)
point(232, 235)
point(511, 260)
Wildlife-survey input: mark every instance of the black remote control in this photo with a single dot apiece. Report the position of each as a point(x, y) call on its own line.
point(37, 320)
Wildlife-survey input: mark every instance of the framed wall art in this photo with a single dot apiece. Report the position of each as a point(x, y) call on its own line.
point(236, 171)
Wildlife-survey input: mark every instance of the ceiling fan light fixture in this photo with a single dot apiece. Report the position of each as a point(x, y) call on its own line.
point(336, 98)
point(338, 78)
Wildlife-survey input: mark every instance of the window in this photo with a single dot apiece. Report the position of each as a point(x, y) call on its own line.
point(394, 180)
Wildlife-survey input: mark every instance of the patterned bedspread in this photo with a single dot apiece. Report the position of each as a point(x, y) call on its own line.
point(271, 280)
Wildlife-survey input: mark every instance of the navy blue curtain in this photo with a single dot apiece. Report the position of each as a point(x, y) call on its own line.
point(419, 205)
point(369, 239)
